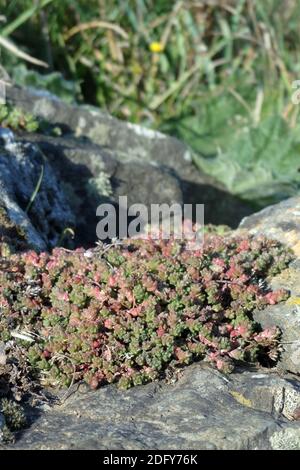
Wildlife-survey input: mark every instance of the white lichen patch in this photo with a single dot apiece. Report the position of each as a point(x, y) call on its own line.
point(99, 133)
point(187, 156)
point(81, 124)
point(144, 132)
point(287, 439)
point(44, 108)
point(286, 401)
point(100, 185)
point(8, 138)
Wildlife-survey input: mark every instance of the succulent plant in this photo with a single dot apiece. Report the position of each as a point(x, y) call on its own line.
point(134, 311)
point(17, 119)
point(14, 417)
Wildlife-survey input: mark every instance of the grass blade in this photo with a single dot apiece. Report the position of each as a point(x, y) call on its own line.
point(36, 190)
point(25, 16)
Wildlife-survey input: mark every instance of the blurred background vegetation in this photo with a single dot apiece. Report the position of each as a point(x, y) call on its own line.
point(217, 74)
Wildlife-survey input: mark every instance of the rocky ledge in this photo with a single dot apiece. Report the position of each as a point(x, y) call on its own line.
point(203, 409)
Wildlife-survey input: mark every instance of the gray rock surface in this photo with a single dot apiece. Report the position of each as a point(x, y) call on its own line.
point(201, 410)
point(282, 222)
point(2, 424)
point(147, 159)
point(91, 175)
point(21, 166)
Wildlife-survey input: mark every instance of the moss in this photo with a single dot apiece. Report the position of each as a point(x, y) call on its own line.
point(12, 236)
point(14, 416)
point(217, 229)
point(6, 435)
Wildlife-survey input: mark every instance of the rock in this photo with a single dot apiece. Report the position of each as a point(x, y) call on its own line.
point(146, 158)
point(287, 316)
point(3, 356)
point(91, 175)
point(2, 363)
point(96, 159)
point(282, 222)
point(202, 410)
point(41, 223)
point(288, 438)
point(2, 425)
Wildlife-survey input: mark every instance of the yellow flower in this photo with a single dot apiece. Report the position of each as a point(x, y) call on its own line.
point(156, 47)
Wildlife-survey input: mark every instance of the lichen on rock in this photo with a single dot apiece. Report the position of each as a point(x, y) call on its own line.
point(100, 185)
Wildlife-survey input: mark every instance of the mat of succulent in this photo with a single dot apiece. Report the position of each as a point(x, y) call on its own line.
point(130, 313)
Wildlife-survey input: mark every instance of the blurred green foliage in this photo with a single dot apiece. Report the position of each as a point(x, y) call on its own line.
point(16, 119)
point(217, 74)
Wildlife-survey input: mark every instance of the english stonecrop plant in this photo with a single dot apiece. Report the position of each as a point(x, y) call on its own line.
point(134, 312)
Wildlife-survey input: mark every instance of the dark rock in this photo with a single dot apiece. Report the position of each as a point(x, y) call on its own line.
point(21, 167)
point(143, 154)
point(2, 425)
point(91, 175)
point(202, 410)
